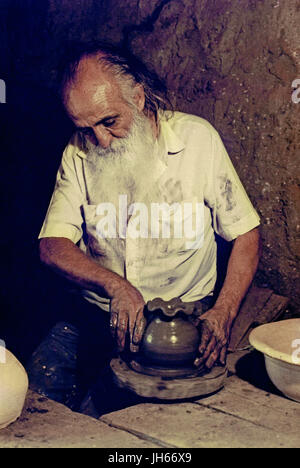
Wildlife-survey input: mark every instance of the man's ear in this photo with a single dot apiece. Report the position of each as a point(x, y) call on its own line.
point(139, 97)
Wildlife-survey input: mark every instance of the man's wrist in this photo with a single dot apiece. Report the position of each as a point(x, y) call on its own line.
point(112, 283)
point(228, 309)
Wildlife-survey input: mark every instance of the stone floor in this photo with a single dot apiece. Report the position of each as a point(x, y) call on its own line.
point(248, 412)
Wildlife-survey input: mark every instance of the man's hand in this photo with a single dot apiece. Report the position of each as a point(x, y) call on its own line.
point(215, 326)
point(217, 322)
point(127, 314)
point(127, 304)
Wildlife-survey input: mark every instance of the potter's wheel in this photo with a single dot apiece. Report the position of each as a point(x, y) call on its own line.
point(164, 367)
point(167, 387)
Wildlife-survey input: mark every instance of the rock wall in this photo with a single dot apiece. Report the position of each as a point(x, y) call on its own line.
point(230, 61)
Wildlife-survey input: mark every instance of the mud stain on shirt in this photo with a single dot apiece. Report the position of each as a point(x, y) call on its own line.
point(226, 190)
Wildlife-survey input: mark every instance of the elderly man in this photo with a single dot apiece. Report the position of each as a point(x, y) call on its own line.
point(128, 155)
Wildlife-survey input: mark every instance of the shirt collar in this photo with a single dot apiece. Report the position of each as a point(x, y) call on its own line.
point(167, 136)
point(80, 145)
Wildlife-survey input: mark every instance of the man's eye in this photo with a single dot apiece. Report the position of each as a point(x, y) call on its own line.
point(109, 123)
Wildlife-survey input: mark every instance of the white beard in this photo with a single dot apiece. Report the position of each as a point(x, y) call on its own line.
point(126, 167)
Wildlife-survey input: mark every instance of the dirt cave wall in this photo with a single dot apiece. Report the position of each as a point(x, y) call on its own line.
point(232, 62)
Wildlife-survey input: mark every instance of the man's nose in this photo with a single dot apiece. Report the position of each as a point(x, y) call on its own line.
point(103, 136)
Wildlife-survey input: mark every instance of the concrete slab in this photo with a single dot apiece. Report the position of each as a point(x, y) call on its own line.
point(190, 425)
point(47, 424)
point(243, 400)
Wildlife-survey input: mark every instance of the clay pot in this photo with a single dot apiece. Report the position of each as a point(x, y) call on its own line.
point(170, 339)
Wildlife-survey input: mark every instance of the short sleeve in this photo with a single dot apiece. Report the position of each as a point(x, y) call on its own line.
point(63, 218)
point(232, 211)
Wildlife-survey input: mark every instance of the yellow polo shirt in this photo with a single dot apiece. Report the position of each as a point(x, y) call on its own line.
point(192, 155)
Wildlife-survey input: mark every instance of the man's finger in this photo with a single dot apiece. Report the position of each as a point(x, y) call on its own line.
point(121, 331)
point(138, 332)
point(209, 349)
point(223, 355)
point(213, 357)
point(113, 323)
point(206, 334)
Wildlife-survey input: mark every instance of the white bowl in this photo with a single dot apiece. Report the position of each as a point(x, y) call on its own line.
point(280, 344)
point(13, 387)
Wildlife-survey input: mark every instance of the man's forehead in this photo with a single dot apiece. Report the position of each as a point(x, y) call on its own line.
point(93, 91)
point(101, 91)
point(90, 73)
point(92, 87)
point(87, 111)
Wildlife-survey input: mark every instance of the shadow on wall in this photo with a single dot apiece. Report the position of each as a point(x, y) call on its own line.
point(34, 131)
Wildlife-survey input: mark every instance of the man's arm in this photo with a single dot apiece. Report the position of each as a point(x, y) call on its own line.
point(127, 304)
point(216, 324)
